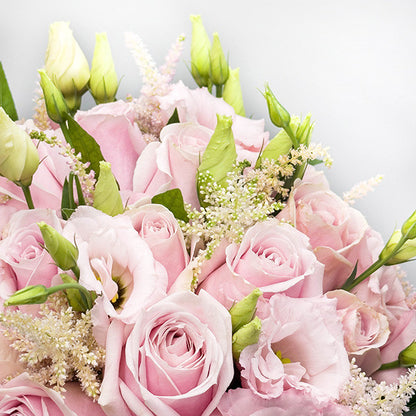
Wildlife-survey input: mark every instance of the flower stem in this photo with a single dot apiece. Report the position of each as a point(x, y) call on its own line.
point(389, 366)
point(28, 196)
point(218, 90)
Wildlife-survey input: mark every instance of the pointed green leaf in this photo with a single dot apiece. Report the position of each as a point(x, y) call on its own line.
point(279, 145)
point(315, 162)
point(174, 118)
point(6, 99)
point(83, 143)
point(173, 201)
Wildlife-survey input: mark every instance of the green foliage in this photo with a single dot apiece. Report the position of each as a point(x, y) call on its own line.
point(173, 201)
point(6, 99)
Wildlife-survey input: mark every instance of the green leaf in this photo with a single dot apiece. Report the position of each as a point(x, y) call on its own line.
point(220, 154)
point(279, 145)
point(412, 407)
point(174, 118)
point(315, 162)
point(83, 143)
point(6, 99)
point(173, 201)
point(351, 278)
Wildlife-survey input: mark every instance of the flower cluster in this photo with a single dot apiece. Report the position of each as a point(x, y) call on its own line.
point(161, 255)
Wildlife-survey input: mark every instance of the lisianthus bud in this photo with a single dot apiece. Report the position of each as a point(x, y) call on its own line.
point(406, 251)
point(66, 64)
point(19, 158)
point(219, 65)
point(409, 226)
point(278, 114)
point(200, 47)
point(103, 80)
point(106, 195)
point(243, 311)
point(29, 295)
point(54, 101)
point(245, 336)
point(232, 93)
point(407, 357)
point(63, 252)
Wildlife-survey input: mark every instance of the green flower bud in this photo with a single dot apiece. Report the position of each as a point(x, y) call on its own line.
point(54, 100)
point(77, 299)
point(245, 336)
point(232, 93)
point(62, 251)
point(406, 252)
point(409, 227)
point(407, 357)
point(19, 157)
point(219, 66)
point(200, 48)
point(106, 195)
point(103, 80)
point(28, 296)
point(66, 64)
point(243, 311)
point(278, 114)
point(304, 131)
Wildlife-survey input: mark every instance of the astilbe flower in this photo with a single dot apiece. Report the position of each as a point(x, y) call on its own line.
point(40, 117)
point(366, 397)
point(57, 346)
point(156, 82)
point(361, 189)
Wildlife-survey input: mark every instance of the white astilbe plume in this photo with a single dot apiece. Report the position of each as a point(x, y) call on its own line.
point(361, 189)
point(156, 82)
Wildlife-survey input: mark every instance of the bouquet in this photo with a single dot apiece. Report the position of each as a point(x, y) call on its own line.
point(165, 255)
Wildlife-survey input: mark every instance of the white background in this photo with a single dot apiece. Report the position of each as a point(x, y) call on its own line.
point(352, 64)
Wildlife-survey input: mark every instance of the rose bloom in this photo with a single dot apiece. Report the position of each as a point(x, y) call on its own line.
point(272, 256)
point(9, 359)
point(242, 402)
point(173, 163)
point(157, 226)
point(115, 262)
point(339, 234)
point(22, 396)
point(364, 328)
point(176, 361)
point(307, 335)
point(24, 260)
point(113, 127)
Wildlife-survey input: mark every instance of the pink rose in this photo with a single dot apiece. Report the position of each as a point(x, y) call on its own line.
point(307, 335)
point(115, 262)
point(23, 396)
point(272, 256)
point(176, 360)
point(242, 402)
point(9, 359)
point(201, 107)
point(339, 234)
point(113, 127)
point(22, 249)
point(173, 163)
point(158, 227)
point(364, 328)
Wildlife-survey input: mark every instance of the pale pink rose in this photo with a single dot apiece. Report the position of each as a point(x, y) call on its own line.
point(272, 256)
point(173, 163)
point(403, 334)
point(9, 359)
point(158, 227)
point(338, 233)
point(116, 262)
point(23, 396)
point(22, 249)
point(308, 333)
point(176, 361)
point(113, 127)
point(364, 328)
point(201, 107)
point(242, 402)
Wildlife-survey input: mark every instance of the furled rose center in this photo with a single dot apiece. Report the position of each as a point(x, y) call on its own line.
point(29, 247)
point(191, 144)
point(156, 226)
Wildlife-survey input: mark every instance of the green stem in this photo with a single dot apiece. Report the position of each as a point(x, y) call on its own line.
point(28, 196)
point(218, 90)
point(64, 286)
point(389, 366)
point(292, 136)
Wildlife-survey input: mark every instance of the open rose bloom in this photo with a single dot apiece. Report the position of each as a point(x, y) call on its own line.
point(166, 258)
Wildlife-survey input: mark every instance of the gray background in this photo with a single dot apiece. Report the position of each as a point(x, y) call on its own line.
point(352, 64)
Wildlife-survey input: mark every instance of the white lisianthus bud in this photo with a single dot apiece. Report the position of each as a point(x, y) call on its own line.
point(66, 64)
point(19, 158)
point(103, 81)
